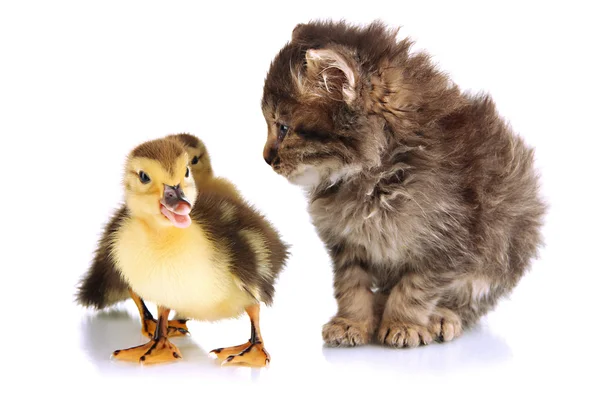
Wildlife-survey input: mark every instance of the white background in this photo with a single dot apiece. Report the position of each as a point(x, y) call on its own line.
point(81, 83)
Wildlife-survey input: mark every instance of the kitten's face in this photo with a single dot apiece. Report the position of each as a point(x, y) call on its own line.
point(316, 132)
point(302, 144)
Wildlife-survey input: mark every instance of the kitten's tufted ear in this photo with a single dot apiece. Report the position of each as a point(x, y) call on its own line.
point(331, 74)
point(298, 32)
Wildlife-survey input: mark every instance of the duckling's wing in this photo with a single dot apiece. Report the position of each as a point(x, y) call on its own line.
point(273, 253)
point(253, 246)
point(102, 285)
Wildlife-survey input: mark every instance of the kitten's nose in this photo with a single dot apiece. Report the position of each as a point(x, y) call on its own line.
point(270, 155)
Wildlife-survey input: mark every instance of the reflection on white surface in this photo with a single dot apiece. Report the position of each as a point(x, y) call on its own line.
point(106, 331)
point(476, 348)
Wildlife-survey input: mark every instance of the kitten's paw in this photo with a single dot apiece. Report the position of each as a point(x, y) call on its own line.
point(342, 332)
point(445, 328)
point(399, 334)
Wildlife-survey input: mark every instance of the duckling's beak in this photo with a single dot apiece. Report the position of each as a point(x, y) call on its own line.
point(176, 207)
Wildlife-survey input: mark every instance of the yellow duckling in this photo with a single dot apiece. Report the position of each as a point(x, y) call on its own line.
point(103, 286)
point(206, 254)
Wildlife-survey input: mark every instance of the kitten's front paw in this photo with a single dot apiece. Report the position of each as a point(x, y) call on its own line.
point(344, 332)
point(399, 334)
point(445, 329)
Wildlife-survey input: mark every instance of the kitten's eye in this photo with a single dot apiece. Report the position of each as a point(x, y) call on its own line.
point(283, 130)
point(195, 160)
point(187, 172)
point(144, 178)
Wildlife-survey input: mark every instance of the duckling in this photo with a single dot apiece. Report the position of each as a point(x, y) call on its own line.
point(103, 286)
point(199, 251)
point(199, 158)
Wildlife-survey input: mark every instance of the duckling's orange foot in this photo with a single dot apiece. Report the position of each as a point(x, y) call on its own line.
point(253, 354)
point(177, 327)
point(155, 351)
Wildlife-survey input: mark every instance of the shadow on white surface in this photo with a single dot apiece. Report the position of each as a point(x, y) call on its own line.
point(106, 331)
point(476, 348)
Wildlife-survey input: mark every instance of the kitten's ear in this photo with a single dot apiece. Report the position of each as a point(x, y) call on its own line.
point(332, 74)
point(298, 31)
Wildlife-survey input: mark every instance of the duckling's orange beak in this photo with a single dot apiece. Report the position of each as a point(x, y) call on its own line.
point(176, 207)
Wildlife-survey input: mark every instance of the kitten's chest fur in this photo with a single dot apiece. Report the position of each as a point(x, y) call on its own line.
point(381, 232)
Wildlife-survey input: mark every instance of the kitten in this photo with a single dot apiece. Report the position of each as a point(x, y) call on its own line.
point(426, 200)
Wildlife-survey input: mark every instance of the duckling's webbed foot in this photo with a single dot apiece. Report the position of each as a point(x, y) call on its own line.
point(253, 352)
point(177, 327)
point(157, 350)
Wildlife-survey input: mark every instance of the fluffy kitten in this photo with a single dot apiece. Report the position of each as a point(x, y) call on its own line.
point(426, 200)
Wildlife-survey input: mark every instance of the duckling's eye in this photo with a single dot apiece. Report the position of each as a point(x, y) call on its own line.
point(144, 178)
point(282, 130)
point(195, 160)
point(187, 172)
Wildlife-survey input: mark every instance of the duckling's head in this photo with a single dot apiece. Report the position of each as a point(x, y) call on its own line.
point(159, 187)
point(198, 156)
